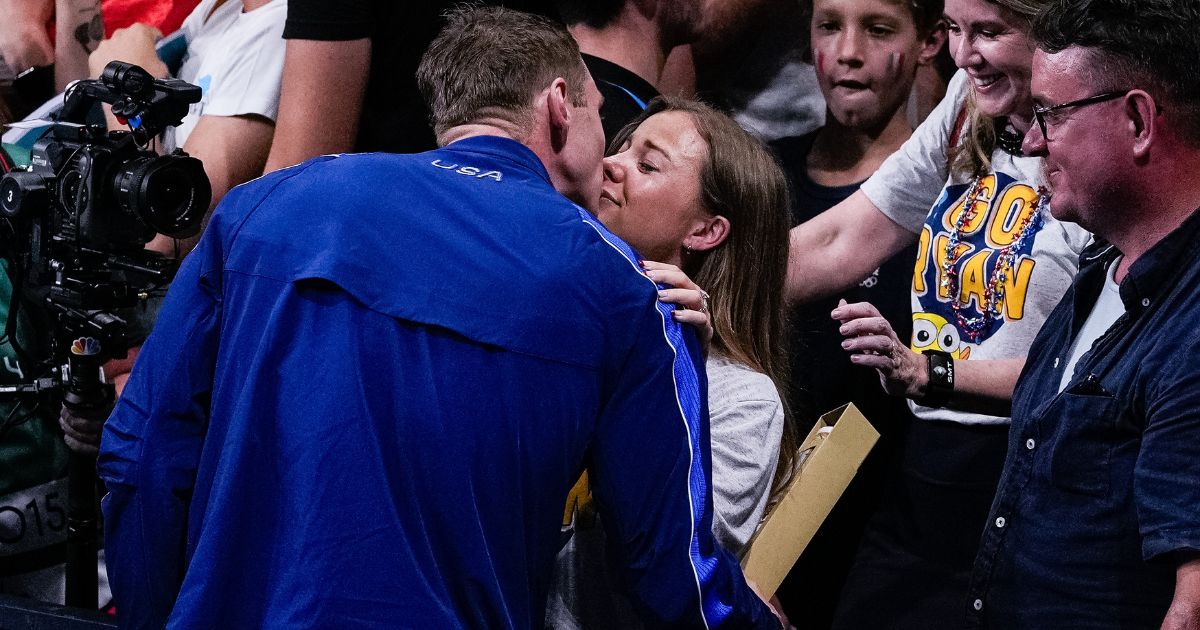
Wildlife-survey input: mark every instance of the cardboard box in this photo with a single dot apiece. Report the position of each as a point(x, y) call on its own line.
point(826, 471)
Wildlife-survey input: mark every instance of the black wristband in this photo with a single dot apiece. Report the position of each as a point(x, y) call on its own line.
point(941, 379)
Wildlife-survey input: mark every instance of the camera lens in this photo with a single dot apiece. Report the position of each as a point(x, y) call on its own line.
point(170, 193)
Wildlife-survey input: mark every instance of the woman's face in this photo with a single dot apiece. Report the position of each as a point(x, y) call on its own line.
point(992, 44)
point(651, 191)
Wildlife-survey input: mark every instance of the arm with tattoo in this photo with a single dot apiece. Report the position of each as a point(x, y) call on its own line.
point(78, 30)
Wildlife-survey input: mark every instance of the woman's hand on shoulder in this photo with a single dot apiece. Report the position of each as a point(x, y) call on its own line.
point(691, 302)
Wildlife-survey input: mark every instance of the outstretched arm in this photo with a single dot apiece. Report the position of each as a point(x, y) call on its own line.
point(321, 100)
point(841, 246)
point(233, 150)
point(24, 42)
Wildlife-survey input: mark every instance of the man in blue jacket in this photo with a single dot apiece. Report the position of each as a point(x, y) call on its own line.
point(375, 380)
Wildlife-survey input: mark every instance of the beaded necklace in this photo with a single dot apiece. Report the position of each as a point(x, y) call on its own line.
point(993, 295)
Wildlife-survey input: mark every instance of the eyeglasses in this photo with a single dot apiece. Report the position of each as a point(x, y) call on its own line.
point(1039, 112)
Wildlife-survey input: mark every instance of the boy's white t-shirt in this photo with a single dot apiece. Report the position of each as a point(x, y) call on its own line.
point(237, 60)
point(915, 189)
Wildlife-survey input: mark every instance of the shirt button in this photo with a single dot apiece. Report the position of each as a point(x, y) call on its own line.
point(1145, 301)
point(977, 604)
point(1000, 522)
point(1029, 444)
point(1055, 361)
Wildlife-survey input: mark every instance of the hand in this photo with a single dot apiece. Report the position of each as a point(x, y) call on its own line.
point(691, 301)
point(24, 42)
point(1180, 618)
point(116, 371)
point(777, 608)
point(773, 604)
point(1184, 612)
point(872, 342)
point(81, 433)
point(133, 45)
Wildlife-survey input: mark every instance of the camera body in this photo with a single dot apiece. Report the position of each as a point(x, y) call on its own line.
point(73, 229)
point(92, 198)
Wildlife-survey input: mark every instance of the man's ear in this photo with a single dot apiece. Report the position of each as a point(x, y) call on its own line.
point(559, 111)
point(932, 44)
point(1142, 112)
point(707, 235)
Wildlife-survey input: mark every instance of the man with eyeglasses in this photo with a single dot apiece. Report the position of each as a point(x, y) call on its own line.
point(1096, 521)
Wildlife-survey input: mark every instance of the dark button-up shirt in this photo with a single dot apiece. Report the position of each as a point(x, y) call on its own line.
point(1100, 494)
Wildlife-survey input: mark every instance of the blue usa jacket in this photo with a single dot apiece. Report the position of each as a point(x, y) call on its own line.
point(370, 390)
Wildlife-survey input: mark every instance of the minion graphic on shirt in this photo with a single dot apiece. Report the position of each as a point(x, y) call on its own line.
point(932, 332)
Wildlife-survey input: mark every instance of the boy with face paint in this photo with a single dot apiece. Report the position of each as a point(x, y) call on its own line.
point(866, 54)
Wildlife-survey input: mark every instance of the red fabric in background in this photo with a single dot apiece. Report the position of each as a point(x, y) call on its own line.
point(165, 15)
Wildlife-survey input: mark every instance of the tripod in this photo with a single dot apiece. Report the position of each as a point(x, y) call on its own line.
point(83, 340)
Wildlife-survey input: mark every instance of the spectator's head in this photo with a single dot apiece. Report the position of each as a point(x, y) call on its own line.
point(990, 40)
point(679, 21)
point(867, 52)
point(684, 184)
point(1117, 87)
point(521, 75)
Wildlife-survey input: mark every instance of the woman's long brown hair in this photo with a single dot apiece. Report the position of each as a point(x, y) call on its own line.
point(745, 274)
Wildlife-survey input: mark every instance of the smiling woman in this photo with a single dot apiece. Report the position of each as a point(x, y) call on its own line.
point(649, 184)
point(990, 42)
point(991, 264)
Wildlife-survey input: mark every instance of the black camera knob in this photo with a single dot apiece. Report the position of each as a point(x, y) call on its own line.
point(22, 192)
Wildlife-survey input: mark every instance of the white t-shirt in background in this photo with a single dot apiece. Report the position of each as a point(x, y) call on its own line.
point(236, 58)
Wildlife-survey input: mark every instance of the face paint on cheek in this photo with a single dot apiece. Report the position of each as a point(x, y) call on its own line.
point(820, 59)
point(895, 63)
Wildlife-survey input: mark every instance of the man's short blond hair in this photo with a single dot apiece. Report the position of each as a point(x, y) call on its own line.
point(489, 62)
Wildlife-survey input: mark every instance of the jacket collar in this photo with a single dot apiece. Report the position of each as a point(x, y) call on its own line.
point(504, 149)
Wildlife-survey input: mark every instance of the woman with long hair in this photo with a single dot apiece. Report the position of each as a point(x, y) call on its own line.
point(716, 209)
point(693, 192)
point(991, 264)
